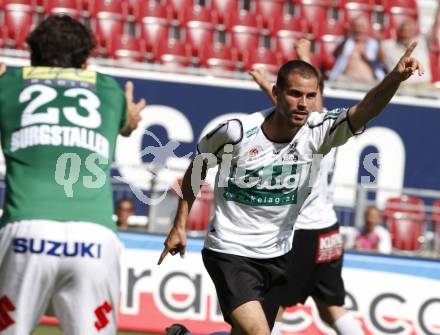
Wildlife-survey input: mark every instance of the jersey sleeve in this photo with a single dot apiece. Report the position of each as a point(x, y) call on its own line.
point(331, 129)
point(229, 132)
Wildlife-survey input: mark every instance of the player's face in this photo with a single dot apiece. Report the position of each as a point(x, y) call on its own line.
point(297, 99)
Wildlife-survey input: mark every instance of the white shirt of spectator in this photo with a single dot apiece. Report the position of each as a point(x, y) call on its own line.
point(256, 209)
point(392, 52)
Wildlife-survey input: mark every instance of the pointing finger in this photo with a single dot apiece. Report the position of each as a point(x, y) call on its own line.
point(409, 50)
point(129, 91)
point(163, 255)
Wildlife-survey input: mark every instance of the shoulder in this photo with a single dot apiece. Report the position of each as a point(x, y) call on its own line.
point(107, 81)
point(317, 119)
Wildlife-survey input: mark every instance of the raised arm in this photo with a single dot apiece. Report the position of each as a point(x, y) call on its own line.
point(259, 76)
point(378, 97)
point(133, 110)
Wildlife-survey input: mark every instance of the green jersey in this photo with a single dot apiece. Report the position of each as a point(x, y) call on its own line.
point(58, 133)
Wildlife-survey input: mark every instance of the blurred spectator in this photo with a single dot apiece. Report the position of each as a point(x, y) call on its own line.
point(124, 209)
point(407, 32)
point(357, 55)
point(374, 237)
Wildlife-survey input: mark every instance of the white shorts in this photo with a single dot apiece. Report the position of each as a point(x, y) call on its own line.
point(73, 266)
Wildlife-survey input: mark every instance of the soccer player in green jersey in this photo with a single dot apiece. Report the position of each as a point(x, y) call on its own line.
point(59, 123)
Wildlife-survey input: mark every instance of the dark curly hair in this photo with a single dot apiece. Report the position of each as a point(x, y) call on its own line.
point(61, 41)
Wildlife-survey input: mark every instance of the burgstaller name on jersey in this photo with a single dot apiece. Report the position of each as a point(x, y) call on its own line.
point(60, 135)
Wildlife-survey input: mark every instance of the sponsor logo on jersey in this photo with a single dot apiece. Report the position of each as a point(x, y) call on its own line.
point(251, 132)
point(57, 76)
point(330, 247)
point(269, 186)
point(56, 248)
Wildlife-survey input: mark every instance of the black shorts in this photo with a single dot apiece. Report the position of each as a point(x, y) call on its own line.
point(239, 279)
point(316, 267)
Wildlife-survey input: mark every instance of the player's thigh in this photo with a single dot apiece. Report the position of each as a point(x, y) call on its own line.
point(27, 275)
point(249, 319)
point(87, 298)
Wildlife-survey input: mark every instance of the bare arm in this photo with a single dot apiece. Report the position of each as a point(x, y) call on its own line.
point(133, 110)
point(303, 49)
point(176, 239)
point(2, 68)
point(259, 76)
point(378, 97)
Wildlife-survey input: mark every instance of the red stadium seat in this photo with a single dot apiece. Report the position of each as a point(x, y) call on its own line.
point(219, 57)
point(405, 218)
point(149, 9)
point(127, 47)
point(199, 28)
point(436, 223)
point(396, 11)
point(199, 35)
point(289, 30)
point(107, 28)
point(178, 7)
point(201, 210)
point(269, 12)
point(18, 21)
point(172, 53)
point(223, 11)
point(315, 12)
point(329, 36)
point(244, 32)
point(434, 57)
point(68, 7)
point(265, 58)
point(354, 8)
point(402, 5)
point(114, 9)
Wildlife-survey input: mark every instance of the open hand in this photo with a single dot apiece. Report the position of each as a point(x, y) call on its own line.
point(133, 110)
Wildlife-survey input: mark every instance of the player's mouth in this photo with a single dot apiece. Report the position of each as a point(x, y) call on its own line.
point(300, 115)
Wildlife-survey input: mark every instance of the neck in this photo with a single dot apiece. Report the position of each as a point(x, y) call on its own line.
point(278, 130)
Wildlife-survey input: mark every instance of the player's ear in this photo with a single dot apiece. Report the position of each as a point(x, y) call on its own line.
point(275, 91)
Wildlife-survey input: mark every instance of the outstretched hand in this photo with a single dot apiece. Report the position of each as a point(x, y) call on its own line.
point(259, 75)
point(174, 244)
point(133, 110)
point(303, 49)
point(408, 65)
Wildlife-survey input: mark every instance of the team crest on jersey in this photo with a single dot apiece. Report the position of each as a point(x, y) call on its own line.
point(253, 153)
point(291, 155)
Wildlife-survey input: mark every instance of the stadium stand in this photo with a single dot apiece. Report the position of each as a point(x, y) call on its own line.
point(194, 26)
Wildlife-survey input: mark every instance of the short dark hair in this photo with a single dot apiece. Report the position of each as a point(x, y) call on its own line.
point(61, 41)
point(304, 69)
point(124, 199)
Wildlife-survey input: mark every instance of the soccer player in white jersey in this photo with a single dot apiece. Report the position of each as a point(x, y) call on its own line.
point(267, 157)
point(317, 244)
